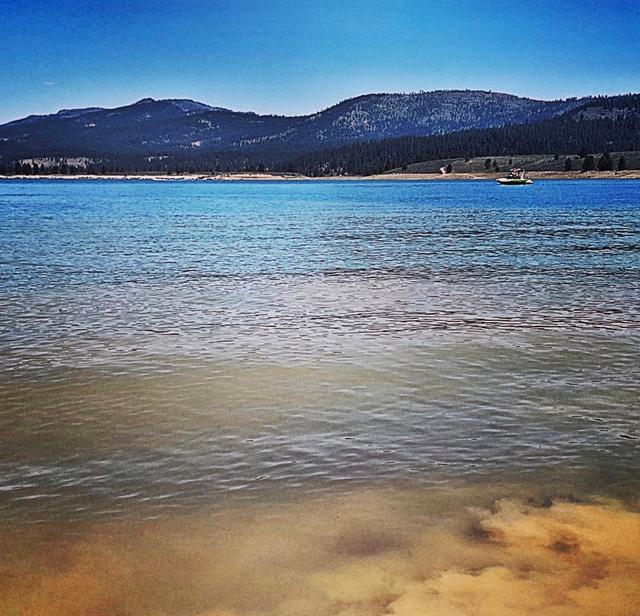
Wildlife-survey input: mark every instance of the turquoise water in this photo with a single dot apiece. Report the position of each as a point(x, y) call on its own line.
point(166, 345)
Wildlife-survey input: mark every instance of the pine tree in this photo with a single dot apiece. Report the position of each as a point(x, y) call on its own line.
point(622, 164)
point(605, 163)
point(589, 163)
point(567, 164)
point(449, 168)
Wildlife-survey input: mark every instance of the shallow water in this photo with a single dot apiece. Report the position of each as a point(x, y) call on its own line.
point(180, 352)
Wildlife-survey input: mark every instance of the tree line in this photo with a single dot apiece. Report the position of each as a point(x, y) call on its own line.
point(569, 134)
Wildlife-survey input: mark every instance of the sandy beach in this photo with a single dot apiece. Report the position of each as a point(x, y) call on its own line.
point(288, 177)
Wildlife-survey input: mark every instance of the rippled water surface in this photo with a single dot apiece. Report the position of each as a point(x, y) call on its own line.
point(170, 346)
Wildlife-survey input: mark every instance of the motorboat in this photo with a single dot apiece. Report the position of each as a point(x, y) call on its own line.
point(515, 177)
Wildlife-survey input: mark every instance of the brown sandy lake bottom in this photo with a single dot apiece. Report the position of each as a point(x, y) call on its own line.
point(448, 550)
point(409, 399)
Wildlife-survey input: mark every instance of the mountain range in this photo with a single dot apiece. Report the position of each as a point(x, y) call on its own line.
point(174, 126)
point(161, 134)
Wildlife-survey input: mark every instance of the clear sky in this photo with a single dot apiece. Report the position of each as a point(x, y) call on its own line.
point(298, 56)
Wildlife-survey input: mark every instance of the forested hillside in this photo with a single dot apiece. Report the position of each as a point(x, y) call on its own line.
point(175, 136)
point(602, 125)
point(178, 133)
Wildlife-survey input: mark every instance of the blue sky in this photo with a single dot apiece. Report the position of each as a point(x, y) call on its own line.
point(294, 57)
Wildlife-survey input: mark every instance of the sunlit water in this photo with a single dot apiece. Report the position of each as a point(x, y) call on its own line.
point(188, 349)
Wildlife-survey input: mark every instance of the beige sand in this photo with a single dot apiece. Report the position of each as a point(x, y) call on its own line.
point(222, 177)
point(369, 553)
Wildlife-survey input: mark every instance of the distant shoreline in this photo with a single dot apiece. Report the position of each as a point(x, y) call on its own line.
point(266, 176)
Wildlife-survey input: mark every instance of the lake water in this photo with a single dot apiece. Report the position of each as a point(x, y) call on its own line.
point(229, 365)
